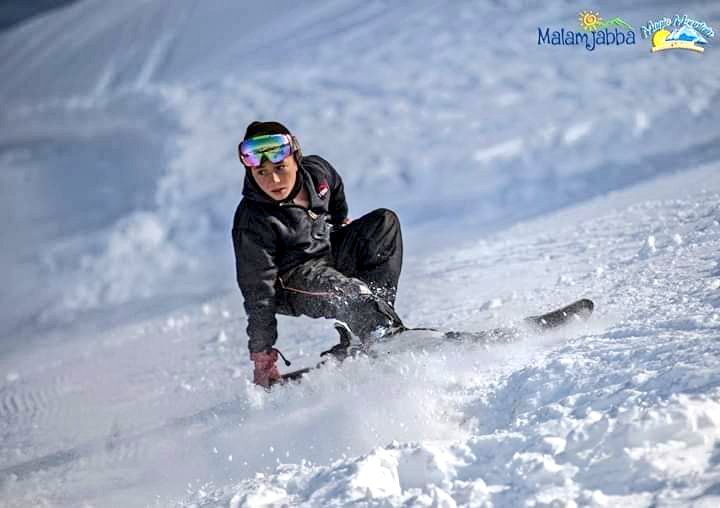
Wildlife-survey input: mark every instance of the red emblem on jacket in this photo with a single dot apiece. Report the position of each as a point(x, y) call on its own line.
point(323, 189)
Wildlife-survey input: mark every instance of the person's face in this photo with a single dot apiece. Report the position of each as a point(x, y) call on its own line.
point(276, 180)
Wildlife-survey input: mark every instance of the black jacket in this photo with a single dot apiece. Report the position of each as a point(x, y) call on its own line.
point(271, 237)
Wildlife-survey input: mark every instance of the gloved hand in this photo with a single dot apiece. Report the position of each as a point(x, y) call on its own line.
point(266, 372)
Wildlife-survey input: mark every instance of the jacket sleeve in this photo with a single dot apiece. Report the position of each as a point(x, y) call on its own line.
point(254, 244)
point(338, 205)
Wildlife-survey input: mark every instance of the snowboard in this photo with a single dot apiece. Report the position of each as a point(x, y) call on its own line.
point(579, 310)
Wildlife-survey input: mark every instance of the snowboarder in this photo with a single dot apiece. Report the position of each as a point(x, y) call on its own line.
point(298, 253)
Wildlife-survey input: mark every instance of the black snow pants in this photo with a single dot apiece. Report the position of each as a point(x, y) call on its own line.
point(357, 284)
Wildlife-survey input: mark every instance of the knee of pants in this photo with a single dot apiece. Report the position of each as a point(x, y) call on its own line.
point(387, 239)
point(386, 216)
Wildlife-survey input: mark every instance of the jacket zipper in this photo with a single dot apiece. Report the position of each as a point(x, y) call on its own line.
point(310, 213)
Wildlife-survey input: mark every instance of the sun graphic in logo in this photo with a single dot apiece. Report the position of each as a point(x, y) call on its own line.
point(659, 38)
point(590, 21)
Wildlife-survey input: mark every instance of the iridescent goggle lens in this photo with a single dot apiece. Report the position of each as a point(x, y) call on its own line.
point(273, 147)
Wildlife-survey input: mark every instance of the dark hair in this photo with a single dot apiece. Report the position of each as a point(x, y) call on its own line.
point(263, 128)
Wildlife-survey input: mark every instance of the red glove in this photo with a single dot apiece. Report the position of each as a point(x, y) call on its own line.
point(266, 372)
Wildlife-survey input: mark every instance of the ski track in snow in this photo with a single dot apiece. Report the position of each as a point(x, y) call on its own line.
point(124, 378)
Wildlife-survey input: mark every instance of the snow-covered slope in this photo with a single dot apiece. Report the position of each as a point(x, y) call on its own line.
point(139, 106)
point(525, 176)
point(624, 409)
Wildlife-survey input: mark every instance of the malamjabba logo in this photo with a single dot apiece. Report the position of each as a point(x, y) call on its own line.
point(591, 21)
point(687, 33)
point(595, 32)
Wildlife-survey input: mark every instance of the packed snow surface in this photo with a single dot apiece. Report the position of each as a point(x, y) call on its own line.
point(525, 177)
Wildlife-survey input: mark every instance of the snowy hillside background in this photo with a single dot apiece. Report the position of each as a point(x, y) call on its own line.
point(525, 177)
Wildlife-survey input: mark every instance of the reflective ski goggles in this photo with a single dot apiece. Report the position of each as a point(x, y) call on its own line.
point(273, 147)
